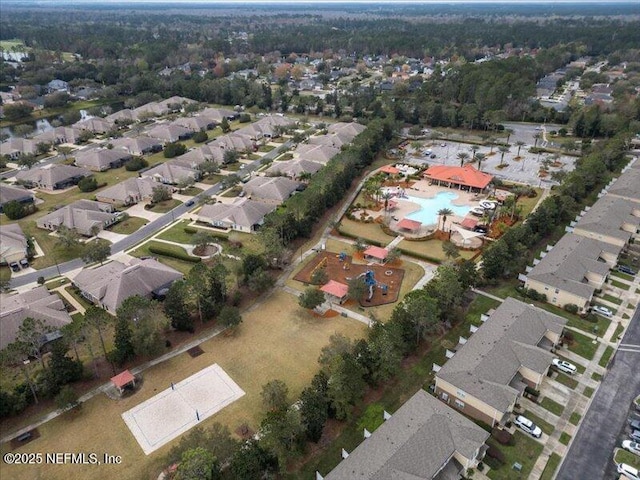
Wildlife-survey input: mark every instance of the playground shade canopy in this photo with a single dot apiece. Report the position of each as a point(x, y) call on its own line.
point(336, 289)
point(408, 224)
point(376, 252)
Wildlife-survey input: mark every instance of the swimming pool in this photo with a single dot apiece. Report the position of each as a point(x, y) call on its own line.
point(429, 207)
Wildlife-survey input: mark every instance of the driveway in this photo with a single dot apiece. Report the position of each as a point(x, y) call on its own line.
point(111, 236)
point(605, 424)
point(138, 210)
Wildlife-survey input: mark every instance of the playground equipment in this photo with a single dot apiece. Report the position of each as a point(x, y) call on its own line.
point(371, 282)
point(342, 257)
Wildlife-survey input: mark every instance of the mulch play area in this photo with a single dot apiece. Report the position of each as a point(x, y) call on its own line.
point(341, 271)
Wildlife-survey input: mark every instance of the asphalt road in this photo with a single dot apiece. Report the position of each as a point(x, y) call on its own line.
point(606, 423)
point(146, 231)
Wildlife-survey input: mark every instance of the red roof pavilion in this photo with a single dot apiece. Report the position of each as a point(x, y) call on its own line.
point(467, 176)
point(337, 289)
point(408, 224)
point(390, 169)
point(123, 379)
point(378, 253)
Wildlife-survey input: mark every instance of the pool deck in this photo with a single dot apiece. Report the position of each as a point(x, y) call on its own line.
point(422, 189)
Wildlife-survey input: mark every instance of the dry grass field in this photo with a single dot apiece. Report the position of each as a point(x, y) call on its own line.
point(277, 339)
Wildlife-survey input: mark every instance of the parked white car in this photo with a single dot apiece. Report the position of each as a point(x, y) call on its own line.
point(604, 311)
point(564, 366)
point(528, 426)
point(628, 471)
point(633, 447)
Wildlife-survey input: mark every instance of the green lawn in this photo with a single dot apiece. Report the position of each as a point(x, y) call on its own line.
point(583, 346)
point(191, 191)
point(617, 333)
point(543, 424)
point(588, 392)
point(566, 380)
point(212, 179)
point(232, 192)
point(551, 405)
point(606, 356)
point(180, 265)
point(574, 419)
point(166, 206)
point(525, 452)
point(622, 456)
point(233, 167)
point(626, 276)
point(612, 299)
point(265, 148)
point(71, 290)
point(621, 285)
point(478, 306)
point(128, 226)
point(596, 376)
point(564, 438)
point(551, 467)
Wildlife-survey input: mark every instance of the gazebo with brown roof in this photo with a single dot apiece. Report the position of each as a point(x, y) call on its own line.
point(123, 379)
point(377, 254)
point(408, 224)
point(336, 289)
point(390, 170)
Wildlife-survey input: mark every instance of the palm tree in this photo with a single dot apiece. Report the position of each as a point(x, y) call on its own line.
point(480, 157)
point(520, 144)
point(386, 196)
point(462, 156)
point(474, 149)
point(443, 212)
point(492, 144)
point(503, 149)
point(509, 132)
point(537, 137)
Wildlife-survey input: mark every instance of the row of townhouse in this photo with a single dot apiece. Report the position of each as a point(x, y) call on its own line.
point(431, 436)
point(577, 267)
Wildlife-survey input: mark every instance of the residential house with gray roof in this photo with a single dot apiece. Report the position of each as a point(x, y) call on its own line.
point(273, 190)
point(85, 216)
point(121, 117)
point(171, 173)
point(102, 159)
point(195, 124)
point(95, 125)
point(59, 135)
point(54, 176)
point(488, 372)
point(233, 141)
point(129, 191)
point(218, 114)
point(244, 215)
point(109, 285)
point(140, 145)
point(10, 193)
point(572, 271)
point(294, 169)
point(611, 219)
point(13, 243)
point(38, 304)
point(315, 153)
point(169, 133)
point(627, 185)
point(423, 440)
point(14, 147)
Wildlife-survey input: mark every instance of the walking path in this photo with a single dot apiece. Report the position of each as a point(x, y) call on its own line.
point(486, 294)
point(69, 298)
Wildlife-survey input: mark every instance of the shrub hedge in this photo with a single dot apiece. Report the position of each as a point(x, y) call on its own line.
point(170, 251)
